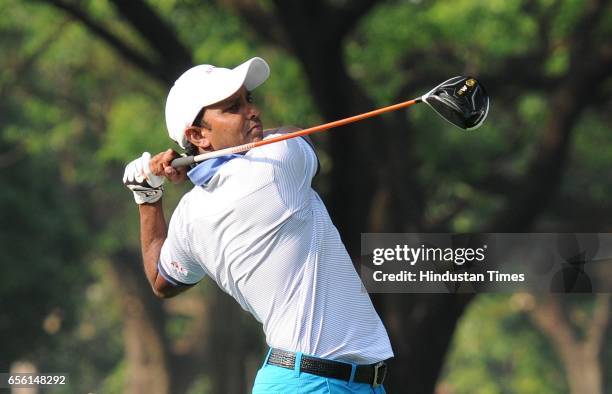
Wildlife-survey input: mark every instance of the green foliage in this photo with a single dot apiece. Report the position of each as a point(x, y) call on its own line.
point(591, 151)
point(42, 241)
point(397, 34)
point(91, 352)
point(284, 96)
point(202, 385)
point(134, 122)
point(496, 350)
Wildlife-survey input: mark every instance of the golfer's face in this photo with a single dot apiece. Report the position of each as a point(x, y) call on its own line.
point(233, 121)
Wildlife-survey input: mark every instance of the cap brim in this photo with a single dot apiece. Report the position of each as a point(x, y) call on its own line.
point(254, 72)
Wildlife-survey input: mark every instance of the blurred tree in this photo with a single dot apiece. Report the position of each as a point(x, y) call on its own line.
point(41, 236)
point(569, 340)
point(41, 252)
point(496, 350)
point(578, 340)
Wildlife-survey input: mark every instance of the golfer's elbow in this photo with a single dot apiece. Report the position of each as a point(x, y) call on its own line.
point(162, 292)
point(167, 292)
point(162, 295)
point(159, 293)
point(164, 289)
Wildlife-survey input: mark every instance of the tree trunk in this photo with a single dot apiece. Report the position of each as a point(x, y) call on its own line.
point(580, 356)
point(583, 372)
point(145, 350)
point(419, 345)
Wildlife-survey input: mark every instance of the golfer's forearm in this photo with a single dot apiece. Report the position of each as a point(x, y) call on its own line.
point(153, 233)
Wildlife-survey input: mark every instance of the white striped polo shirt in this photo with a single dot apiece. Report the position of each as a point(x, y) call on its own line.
point(263, 234)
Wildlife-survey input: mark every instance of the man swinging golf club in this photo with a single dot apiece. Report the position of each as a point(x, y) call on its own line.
point(254, 224)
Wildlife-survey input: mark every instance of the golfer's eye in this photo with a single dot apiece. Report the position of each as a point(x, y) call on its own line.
point(249, 97)
point(234, 107)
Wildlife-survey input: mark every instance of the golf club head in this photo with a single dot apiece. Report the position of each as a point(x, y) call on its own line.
point(462, 101)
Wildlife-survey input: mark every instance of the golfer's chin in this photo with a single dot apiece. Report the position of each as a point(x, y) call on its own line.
point(255, 134)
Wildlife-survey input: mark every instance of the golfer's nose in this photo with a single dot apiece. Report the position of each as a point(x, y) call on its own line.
point(252, 111)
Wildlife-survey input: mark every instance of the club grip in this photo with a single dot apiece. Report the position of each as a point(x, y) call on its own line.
point(183, 161)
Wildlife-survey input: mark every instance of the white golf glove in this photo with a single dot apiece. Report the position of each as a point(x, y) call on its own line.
point(147, 187)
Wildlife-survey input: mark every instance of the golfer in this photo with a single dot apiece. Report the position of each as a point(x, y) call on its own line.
point(253, 223)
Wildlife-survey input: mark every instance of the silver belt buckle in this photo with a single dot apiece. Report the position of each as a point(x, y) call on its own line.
point(380, 372)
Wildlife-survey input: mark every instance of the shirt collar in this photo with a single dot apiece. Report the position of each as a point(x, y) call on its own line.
point(201, 174)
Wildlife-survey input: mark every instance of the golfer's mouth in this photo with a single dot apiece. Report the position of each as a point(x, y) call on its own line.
point(257, 128)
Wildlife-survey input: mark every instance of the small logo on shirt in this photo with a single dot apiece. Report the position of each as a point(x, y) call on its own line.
point(179, 268)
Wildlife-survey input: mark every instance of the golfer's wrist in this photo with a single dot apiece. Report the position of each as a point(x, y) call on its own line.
point(150, 206)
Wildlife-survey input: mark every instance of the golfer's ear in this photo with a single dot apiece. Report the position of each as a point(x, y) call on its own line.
point(198, 137)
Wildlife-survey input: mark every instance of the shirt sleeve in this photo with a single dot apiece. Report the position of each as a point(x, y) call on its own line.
point(175, 263)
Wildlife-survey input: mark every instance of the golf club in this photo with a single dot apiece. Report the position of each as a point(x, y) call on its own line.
point(462, 101)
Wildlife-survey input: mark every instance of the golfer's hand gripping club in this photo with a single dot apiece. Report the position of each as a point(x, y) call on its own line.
point(147, 187)
point(145, 176)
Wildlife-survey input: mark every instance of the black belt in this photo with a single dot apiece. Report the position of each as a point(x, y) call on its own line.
point(373, 374)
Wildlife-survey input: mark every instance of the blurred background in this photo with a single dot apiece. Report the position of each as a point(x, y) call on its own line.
point(82, 92)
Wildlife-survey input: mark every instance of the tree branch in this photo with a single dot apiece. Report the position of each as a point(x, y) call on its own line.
point(548, 316)
point(130, 54)
point(343, 19)
point(174, 57)
point(442, 223)
point(326, 24)
point(585, 215)
point(13, 156)
point(301, 20)
point(599, 323)
point(580, 357)
point(263, 23)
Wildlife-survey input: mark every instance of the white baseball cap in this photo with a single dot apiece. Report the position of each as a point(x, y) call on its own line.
point(204, 85)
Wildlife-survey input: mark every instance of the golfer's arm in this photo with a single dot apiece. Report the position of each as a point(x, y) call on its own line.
point(153, 232)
